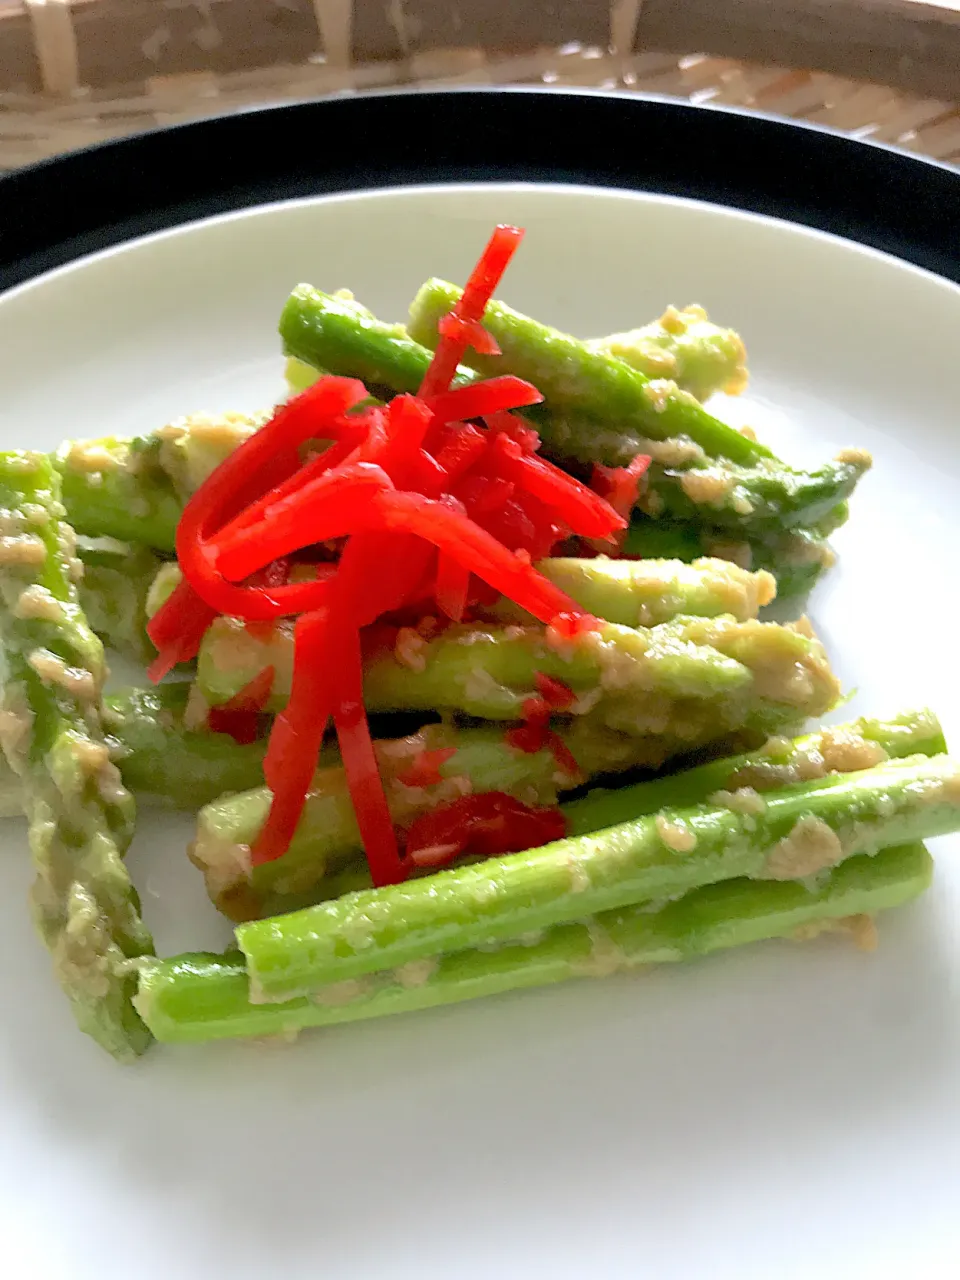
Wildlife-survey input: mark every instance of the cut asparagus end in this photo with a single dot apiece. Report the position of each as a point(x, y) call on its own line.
point(113, 593)
point(684, 345)
point(119, 489)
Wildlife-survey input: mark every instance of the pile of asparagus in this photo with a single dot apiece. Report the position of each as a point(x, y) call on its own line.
point(762, 835)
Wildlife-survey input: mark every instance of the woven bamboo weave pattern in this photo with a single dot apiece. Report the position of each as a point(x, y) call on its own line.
point(75, 72)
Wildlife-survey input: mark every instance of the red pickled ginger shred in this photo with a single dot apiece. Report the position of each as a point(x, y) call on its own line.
point(484, 825)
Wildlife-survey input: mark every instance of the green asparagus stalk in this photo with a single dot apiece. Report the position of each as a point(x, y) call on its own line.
point(629, 592)
point(327, 842)
point(115, 488)
point(792, 834)
point(327, 331)
point(160, 760)
point(578, 380)
point(202, 997)
point(758, 501)
point(113, 593)
point(134, 490)
point(80, 817)
point(644, 593)
point(166, 763)
point(780, 762)
point(682, 683)
point(685, 346)
point(796, 558)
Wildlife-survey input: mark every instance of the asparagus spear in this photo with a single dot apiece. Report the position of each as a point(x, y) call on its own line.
point(113, 593)
point(319, 332)
point(201, 997)
point(780, 762)
point(683, 345)
point(331, 332)
point(580, 381)
point(134, 490)
point(163, 761)
point(579, 378)
point(631, 593)
point(327, 841)
point(118, 489)
point(796, 558)
point(191, 448)
point(80, 817)
point(160, 760)
point(757, 501)
point(792, 834)
point(683, 682)
point(647, 592)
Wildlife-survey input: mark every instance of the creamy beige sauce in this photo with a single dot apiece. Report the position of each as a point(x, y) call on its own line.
point(38, 603)
point(53, 670)
point(91, 455)
point(707, 486)
point(858, 457)
point(810, 847)
point(676, 835)
point(25, 549)
point(861, 928)
point(410, 649)
point(416, 973)
point(16, 722)
point(659, 392)
point(743, 800)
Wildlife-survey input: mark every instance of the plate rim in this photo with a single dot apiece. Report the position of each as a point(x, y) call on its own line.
point(64, 208)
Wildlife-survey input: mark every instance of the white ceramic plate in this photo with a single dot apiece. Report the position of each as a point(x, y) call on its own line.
point(779, 1112)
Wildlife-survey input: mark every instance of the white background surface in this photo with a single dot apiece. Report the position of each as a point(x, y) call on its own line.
point(782, 1112)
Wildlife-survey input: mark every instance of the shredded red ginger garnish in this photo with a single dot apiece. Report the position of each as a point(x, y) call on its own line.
point(535, 735)
point(485, 825)
point(424, 769)
point(435, 512)
point(620, 487)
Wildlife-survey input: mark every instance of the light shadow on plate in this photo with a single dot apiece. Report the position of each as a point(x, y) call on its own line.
point(782, 1049)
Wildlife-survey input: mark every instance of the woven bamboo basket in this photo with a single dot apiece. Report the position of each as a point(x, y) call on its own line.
point(75, 72)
